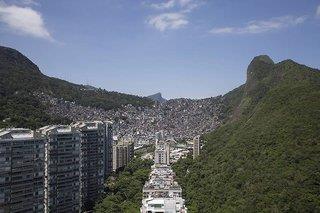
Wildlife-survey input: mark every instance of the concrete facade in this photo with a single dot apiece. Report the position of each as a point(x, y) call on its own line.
point(92, 161)
point(21, 171)
point(196, 146)
point(161, 193)
point(123, 152)
point(62, 169)
point(162, 153)
point(108, 148)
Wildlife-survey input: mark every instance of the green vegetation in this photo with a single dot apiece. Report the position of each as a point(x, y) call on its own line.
point(23, 110)
point(124, 190)
point(20, 78)
point(144, 150)
point(266, 157)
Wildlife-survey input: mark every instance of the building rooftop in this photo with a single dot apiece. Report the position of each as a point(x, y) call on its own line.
point(18, 133)
point(161, 183)
point(88, 125)
point(57, 129)
point(124, 142)
point(163, 205)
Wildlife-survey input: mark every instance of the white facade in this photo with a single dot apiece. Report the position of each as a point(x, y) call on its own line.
point(162, 193)
point(165, 205)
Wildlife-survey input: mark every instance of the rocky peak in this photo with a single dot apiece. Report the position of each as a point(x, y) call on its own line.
point(157, 97)
point(259, 68)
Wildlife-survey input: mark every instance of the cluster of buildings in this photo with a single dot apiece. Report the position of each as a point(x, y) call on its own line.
point(57, 168)
point(161, 193)
point(180, 118)
point(179, 151)
point(168, 151)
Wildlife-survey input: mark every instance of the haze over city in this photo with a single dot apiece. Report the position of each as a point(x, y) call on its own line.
point(182, 48)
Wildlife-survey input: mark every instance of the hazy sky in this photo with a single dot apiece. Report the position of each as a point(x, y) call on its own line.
point(182, 48)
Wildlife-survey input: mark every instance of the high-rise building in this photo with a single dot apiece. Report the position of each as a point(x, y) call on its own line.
point(123, 152)
point(92, 161)
point(62, 168)
point(162, 153)
point(196, 146)
point(159, 136)
point(108, 148)
point(21, 171)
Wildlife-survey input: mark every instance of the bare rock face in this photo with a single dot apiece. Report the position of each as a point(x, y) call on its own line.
point(259, 68)
point(157, 97)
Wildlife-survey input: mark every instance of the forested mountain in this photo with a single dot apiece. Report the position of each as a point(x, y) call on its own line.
point(266, 157)
point(20, 78)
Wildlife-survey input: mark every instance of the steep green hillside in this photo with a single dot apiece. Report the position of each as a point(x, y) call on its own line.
point(266, 158)
point(124, 191)
point(19, 78)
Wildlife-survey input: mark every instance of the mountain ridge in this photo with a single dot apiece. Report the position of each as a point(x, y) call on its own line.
point(20, 78)
point(264, 157)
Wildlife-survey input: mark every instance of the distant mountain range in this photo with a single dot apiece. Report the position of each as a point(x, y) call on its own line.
point(266, 157)
point(157, 97)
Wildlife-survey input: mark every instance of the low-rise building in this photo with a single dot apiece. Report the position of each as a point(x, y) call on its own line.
point(165, 205)
point(161, 193)
point(161, 183)
point(177, 153)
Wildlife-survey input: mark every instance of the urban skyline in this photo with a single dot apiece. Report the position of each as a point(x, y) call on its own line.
point(70, 164)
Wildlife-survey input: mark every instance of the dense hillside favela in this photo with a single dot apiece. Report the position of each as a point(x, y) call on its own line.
point(50, 100)
point(76, 148)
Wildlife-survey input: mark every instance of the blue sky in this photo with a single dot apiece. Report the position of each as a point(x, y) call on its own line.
point(182, 48)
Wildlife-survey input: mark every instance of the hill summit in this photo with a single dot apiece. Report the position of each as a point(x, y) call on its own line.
point(266, 156)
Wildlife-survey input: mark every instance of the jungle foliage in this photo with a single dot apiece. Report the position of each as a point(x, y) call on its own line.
point(124, 190)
